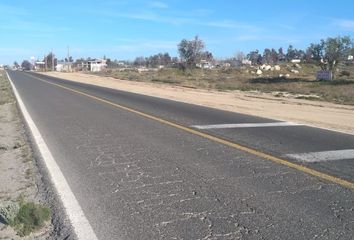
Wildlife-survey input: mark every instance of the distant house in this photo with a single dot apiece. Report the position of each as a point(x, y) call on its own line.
point(350, 58)
point(64, 67)
point(226, 65)
point(95, 65)
point(204, 64)
point(295, 61)
point(246, 62)
point(39, 66)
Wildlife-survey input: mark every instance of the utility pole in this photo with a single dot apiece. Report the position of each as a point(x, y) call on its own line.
point(52, 60)
point(46, 64)
point(68, 58)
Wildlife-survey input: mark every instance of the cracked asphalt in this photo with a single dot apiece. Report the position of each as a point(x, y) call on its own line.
point(136, 178)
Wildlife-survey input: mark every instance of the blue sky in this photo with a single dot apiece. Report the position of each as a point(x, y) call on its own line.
point(126, 29)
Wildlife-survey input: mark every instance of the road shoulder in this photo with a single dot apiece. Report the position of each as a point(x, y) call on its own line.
point(18, 178)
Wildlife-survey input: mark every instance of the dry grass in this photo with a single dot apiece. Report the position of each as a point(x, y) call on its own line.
point(5, 89)
point(303, 84)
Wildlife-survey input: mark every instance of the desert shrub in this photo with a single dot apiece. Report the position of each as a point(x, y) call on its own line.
point(344, 73)
point(30, 217)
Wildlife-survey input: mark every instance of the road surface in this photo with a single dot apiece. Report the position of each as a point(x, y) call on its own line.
point(149, 168)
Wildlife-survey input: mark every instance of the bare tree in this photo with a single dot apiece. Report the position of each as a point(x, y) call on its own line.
point(239, 56)
point(190, 51)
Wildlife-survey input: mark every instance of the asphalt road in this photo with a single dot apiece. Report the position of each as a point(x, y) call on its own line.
point(136, 177)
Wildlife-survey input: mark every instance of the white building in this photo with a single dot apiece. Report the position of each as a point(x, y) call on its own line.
point(39, 66)
point(95, 65)
point(64, 67)
point(295, 61)
point(205, 65)
point(246, 62)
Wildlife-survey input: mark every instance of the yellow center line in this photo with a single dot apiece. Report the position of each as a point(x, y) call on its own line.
point(249, 150)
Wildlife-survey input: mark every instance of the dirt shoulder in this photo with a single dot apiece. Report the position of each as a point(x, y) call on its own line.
point(316, 113)
point(17, 170)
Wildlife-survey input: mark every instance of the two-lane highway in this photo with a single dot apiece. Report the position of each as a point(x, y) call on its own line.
point(149, 168)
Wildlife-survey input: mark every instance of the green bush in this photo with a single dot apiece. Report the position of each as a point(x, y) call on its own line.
point(30, 218)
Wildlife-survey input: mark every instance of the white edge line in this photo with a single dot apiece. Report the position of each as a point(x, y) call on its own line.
point(81, 225)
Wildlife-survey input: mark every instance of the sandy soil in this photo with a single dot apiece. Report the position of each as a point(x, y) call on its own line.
point(316, 113)
point(17, 178)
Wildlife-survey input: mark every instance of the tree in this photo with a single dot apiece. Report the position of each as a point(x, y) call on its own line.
point(281, 55)
point(239, 56)
point(160, 59)
point(174, 61)
point(207, 56)
point(274, 56)
point(291, 53)
point(166, 59)
point(315, 52)
point(16, 64)
point(294, 53)
point(50, 61)
point(140, 61)
point(26, 65)
point(336, 50)
point(109, 63)
point(330, 52)
point(153, 60)
point(255, 57)
point(267, 56)
point(69, 60)
point(190, 51)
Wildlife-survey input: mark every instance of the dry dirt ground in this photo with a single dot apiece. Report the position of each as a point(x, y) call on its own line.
point(17, 172)
point(316, 113)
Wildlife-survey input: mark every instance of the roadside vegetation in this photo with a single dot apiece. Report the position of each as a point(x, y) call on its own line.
point(5, 93)
point(30, 218)
point(302, 85)
point(21, 214)
point(284, 74)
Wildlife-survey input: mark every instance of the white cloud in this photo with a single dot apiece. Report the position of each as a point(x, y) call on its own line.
point(344, 24)
point(19, 53)
point(177, 20)
point(145, 44)
point(32, 27)
point(134, 46)
point(267, 37)
point(202, 12)
point(158, 4)
point(247, 37)
point(228, 24)
point(286, 26)
point(146, 16)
